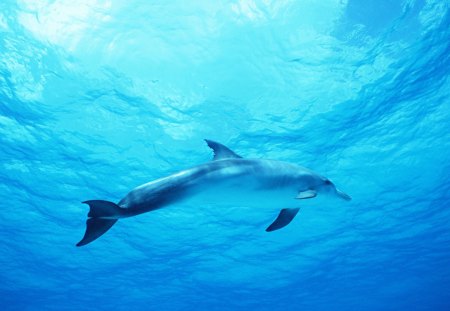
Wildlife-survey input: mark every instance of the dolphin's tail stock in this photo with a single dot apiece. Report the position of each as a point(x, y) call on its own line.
point(102, 216)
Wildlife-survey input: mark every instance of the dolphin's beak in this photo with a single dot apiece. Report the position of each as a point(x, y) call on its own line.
point(343, 195)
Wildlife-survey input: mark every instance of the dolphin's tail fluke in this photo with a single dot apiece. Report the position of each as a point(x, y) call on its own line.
point(102, 216)
point(95, 228)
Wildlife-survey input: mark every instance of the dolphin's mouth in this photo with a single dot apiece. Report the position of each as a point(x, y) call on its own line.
point(343, 195)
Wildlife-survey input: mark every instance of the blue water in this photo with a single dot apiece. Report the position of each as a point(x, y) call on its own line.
point(98, 97)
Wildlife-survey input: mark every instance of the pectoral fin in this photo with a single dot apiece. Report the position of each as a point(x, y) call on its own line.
point(308, 194)
point(284, 218)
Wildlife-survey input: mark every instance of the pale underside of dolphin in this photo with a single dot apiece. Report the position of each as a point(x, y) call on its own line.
point(228, 179)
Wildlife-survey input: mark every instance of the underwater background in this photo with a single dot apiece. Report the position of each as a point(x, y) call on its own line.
point(98, 97)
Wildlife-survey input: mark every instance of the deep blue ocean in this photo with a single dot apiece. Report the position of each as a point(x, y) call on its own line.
point(98, 97)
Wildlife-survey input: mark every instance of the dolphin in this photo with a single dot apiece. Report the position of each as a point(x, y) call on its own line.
point(227, 178)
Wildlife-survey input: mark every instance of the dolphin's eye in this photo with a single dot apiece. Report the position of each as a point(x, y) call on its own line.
point(327, 182)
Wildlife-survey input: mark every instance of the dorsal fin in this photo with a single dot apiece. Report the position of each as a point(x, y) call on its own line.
point(220, 151)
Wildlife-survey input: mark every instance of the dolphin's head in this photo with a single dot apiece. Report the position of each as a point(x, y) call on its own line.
point(328, 187)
